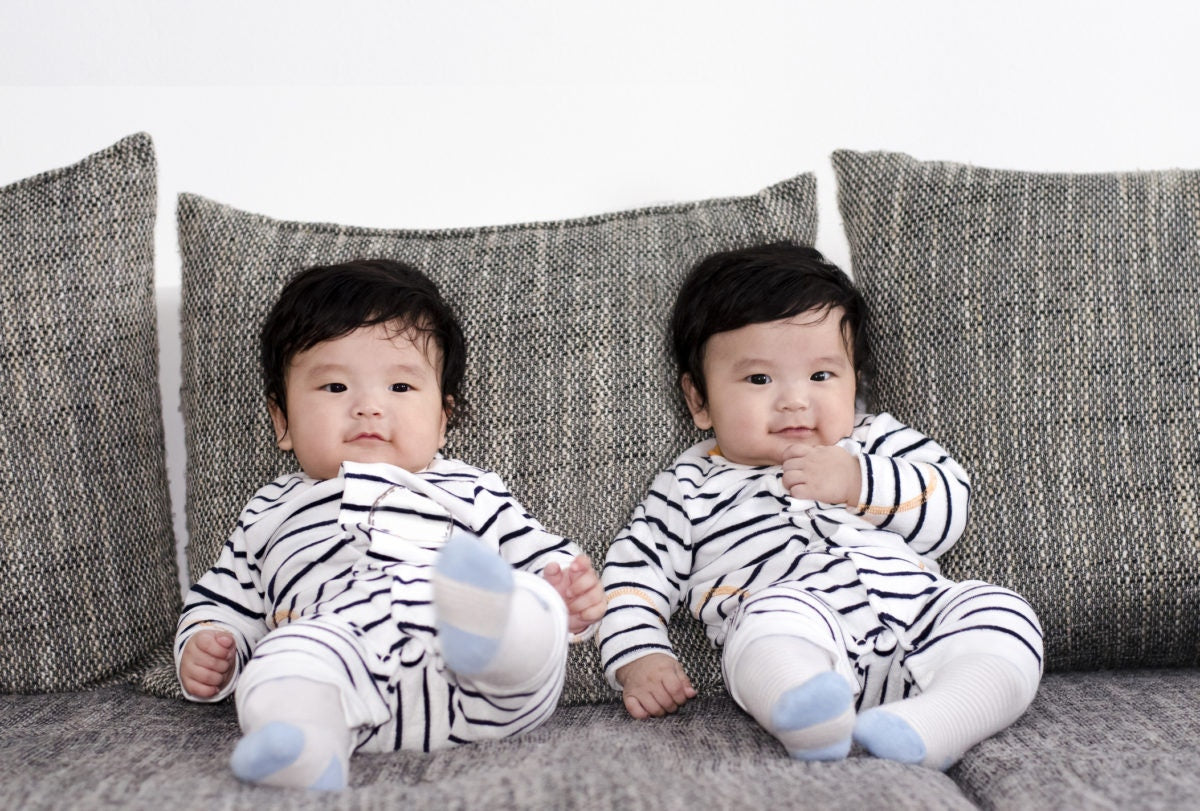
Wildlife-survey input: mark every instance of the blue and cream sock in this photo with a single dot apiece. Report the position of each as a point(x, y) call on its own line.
point(788, 685)
point(970, 699)
point(491, 629)
point(295, 736)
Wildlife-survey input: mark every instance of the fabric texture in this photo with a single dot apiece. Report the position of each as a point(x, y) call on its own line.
point(118, 748)
point(88, 580)
point(1044, 328)
point(1107, 740)
point(572, 398)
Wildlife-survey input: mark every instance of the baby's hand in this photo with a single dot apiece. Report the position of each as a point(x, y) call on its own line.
point(207, 663)
point(580, 589)
point(654, 685)
point(824, 473)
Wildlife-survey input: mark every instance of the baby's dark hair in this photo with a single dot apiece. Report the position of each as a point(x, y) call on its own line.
point(329, 301)
point(733, 289)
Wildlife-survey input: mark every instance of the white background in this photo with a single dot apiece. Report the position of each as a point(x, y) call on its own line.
point(442, 113)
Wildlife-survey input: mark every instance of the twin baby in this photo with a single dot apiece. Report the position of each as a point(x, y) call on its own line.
point(387, 597)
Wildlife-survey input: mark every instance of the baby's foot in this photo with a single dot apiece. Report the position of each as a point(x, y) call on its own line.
point(473, 594)
point(290, 755)
point(887, 735)
point(296, 736)
point(814, 721)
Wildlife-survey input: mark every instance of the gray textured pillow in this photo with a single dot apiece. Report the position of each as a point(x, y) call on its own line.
point(572, 397)
point(88, 581)
point(1045, 328)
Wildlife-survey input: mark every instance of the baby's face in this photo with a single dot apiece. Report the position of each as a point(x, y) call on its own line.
point(775, 384)
point(369, 396)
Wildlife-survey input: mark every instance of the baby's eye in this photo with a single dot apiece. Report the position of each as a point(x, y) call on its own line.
point(334, 388)
point(759, 380)
point(400, 387)
point(821, 377)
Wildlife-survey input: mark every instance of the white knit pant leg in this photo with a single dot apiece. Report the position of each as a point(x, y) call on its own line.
point(412, 702)
point(978, 619)
point(322, 651)
point(480, 713)
point(785, 609)
point(975, 661)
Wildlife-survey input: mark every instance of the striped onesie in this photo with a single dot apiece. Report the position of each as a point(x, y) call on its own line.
point(750, 561)
point(329, 580)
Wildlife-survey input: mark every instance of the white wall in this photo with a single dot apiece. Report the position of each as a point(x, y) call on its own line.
point(431, 114)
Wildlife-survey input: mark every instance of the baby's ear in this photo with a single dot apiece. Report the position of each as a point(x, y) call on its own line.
point(447, 416)
point(280, 424)
point(695, 402)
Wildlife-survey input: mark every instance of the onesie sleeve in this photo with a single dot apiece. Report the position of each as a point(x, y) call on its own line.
point(910, 485)
point(229, 596)
point(644, 574)
point(522, 540)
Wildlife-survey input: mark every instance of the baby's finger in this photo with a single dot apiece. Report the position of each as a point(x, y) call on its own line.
point(208, 676)
point(635, 708)
point(213, 643)
point(196, 688)
point(589, 594)
point(580, 620)
point(208, 662)
point(585, 579)
point(682, 690)
point(666, 702)
point(553, 574)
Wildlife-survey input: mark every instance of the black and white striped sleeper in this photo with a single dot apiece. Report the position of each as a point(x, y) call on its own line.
point(750, 561)
point(330, 580)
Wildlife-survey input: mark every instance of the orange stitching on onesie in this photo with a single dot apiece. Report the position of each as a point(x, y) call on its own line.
point(915, 501)
point(719, 591)
point(630, 591)
point(282, 617)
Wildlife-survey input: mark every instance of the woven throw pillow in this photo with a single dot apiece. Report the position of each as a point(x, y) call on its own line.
point(88, 581)
point(572, 398)
point(1045, 328)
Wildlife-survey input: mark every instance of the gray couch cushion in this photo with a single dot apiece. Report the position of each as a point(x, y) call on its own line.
point(1043, 327)
point(88, 581)
point(572, 398)
point(1115, 739)
point(121, 749)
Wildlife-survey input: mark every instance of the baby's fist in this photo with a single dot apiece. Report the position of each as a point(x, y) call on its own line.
point(206, 664)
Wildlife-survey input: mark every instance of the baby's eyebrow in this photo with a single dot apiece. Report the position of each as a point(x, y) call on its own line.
point(338, 369)
point(743, 364)
point(323, 370)
point(410, 369)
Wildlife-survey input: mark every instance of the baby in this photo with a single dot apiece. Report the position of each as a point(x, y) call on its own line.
point(385, 597)
point(803, 535)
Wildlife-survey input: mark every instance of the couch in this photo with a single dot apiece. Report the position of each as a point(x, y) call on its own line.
point(1042, 326)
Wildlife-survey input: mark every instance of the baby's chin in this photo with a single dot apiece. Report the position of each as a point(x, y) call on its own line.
point(753, 460)
point(328, 472)
point(768, 456)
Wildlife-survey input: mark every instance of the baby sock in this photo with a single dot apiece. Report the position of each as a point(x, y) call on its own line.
point(971, 698)
point(491, 627)
point(788, 685)
point(296, 736)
